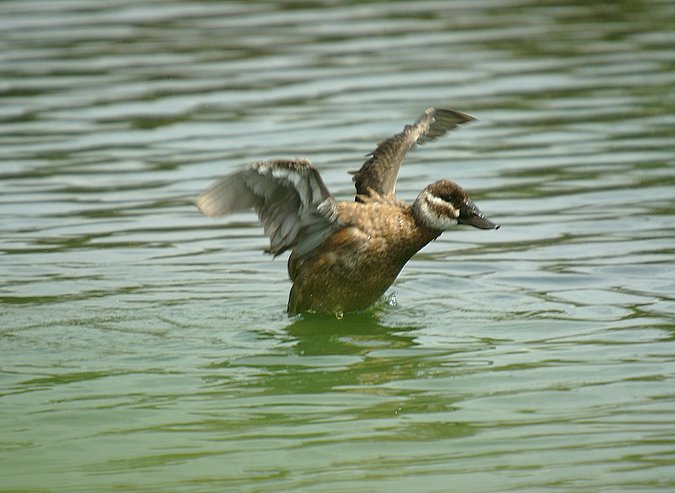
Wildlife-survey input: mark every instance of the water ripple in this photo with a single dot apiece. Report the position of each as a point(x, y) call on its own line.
point(142, 338)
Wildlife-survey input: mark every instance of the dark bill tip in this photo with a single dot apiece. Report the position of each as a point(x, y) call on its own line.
point(470, 214)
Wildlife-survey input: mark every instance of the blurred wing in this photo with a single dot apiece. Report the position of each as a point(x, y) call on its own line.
point(379, 173)
point(293, 204)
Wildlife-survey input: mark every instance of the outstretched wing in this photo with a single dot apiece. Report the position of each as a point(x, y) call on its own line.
point(379, 173)
point(293, 204)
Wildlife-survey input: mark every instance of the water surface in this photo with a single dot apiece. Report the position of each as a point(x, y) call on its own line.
point(146, 348)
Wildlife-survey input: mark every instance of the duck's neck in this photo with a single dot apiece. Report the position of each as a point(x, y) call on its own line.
point(417, 235)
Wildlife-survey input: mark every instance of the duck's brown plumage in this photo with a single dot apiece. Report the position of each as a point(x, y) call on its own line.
point(346, 254)
point(356, 264)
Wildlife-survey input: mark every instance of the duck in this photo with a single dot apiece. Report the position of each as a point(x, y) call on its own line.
point(346, 254)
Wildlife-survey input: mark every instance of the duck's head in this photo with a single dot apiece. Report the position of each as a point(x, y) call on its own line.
point(444, 204)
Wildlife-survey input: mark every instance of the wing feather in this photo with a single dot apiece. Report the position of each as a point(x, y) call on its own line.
point(293, 204)
point(380, 171)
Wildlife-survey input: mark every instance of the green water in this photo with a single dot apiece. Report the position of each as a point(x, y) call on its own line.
point(145, 348)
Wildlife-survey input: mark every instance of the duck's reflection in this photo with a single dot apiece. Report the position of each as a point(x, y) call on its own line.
point(357, 351)
point(356, 333)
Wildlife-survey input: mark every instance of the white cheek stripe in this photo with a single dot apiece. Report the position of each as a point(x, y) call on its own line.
point(432, 218)
point(444, 205)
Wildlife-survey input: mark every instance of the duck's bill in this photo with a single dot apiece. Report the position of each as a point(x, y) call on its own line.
point(470, 214)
